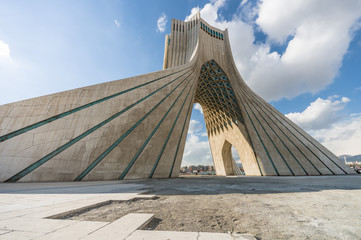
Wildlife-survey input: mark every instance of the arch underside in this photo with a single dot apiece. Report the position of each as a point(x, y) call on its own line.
point(267, 142)
point(224, 121)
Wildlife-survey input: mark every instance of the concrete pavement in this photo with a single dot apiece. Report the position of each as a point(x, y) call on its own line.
point(24, 208)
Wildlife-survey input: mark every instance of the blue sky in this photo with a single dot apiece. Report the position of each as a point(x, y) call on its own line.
point(302, 56)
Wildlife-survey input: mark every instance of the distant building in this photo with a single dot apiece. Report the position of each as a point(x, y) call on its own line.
point(352, 165)
point(197, 170)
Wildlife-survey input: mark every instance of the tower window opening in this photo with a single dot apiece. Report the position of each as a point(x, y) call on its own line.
point(192, 163)
point(237, 161)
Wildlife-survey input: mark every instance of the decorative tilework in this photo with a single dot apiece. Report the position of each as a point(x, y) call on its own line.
point(216, 96)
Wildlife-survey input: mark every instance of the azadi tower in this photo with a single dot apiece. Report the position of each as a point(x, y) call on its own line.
point(137, 127)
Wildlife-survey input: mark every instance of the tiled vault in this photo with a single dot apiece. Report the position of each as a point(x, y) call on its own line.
point(216, 96)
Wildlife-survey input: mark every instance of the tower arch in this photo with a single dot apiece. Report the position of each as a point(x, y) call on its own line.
point(224, 121)
point(136, 127)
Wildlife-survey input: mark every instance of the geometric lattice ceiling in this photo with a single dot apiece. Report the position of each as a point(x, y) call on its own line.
point(216, 96)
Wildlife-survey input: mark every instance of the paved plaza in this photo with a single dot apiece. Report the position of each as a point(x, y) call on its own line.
point(25, 208)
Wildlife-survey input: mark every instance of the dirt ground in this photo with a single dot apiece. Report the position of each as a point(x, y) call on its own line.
point(327, 207)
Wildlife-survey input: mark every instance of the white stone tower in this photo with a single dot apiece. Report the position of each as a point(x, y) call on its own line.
point(137, 127)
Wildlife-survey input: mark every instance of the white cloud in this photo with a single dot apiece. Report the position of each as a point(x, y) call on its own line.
point(198, 107)
point(161, 22)
point(7, 63)
point(321, 113)
point(345, 99)
point(196, 152)
point(209, 12)
point(194, 127)
point(323, 120)
point(355, 114)
point(343, 137)
point(193, 12)
point(244, 2)
point(235, 155)
point(320, 33)
point(4, 50)
point(204, 134)
point(117, 23)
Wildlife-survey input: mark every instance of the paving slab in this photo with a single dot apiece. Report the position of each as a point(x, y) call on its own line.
point(121, 228)
point(3, 232)
point(23, 207)
point(243, 236)
point(17, 213)
point(91, 187)
point(162, 235)
point(13, 202)
point(31, 225)
point(78, 205)
point(146, 196)
point(20, 235)
point(214, 236)
point(75, 231)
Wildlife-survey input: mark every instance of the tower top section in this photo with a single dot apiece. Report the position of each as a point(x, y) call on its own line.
point(182, 43)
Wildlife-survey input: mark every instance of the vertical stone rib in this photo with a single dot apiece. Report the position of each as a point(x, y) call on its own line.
point(325, 161)
point(289, 142)
point(124, 173)
point(172, 41)
point(169, 135)
point(178, 154)
point(277, 157)
point(267, 164)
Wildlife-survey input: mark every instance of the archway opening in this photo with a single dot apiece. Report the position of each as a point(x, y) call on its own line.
point(197, 157)
point(226, 164)
point(216, 118)
point(215, 122)
point(237, 159)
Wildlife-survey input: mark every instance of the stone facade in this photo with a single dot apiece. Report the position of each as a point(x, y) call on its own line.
point(136, 127)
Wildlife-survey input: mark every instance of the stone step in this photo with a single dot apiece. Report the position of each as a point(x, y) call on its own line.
point(122, 228)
